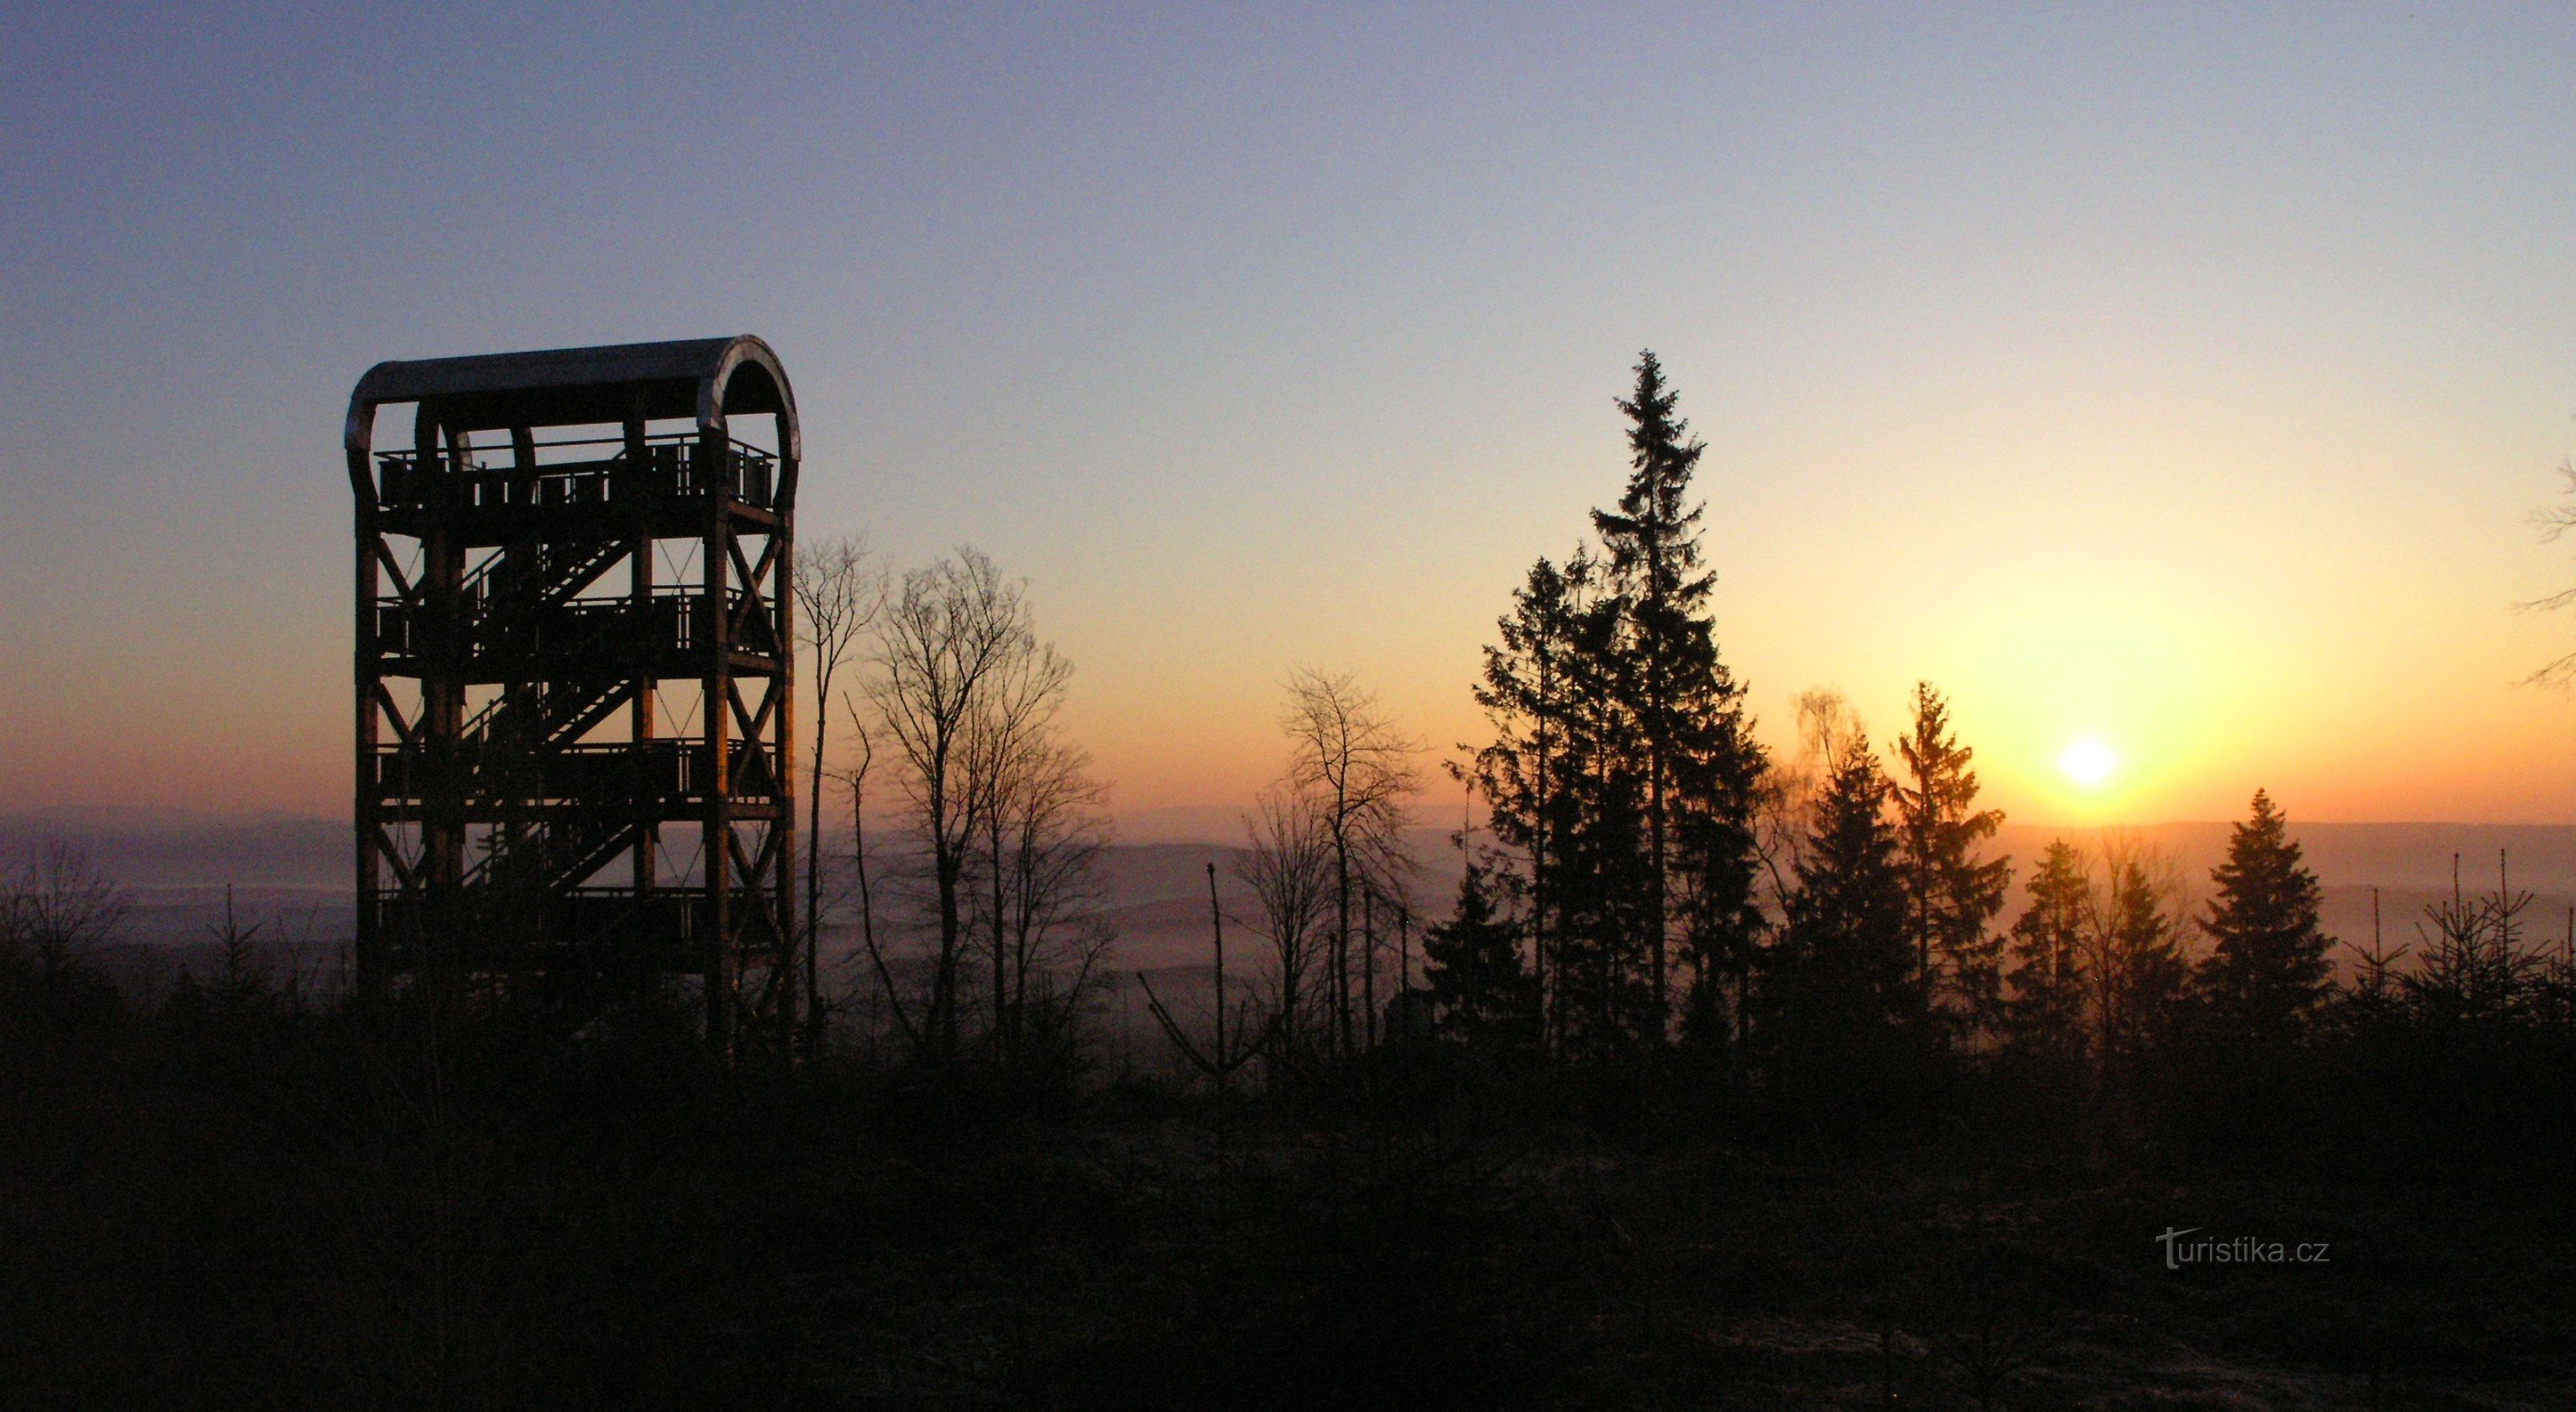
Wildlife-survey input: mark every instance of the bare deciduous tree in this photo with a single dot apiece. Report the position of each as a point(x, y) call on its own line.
point(1346, 753)
point(856, 777)
point(1010, 754)
point(1005, 820)
point(1289, 867)
point(2555, 522)
point(1827, 725)
point(56, 907)
point(839, 593)
point(946, 632)
point(1045, 826)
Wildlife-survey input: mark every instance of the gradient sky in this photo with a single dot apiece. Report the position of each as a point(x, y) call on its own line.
point(2181, 376)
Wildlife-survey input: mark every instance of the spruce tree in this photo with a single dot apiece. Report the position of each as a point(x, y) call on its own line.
point(1527, 701)
point(2267, 972)
point(1552, 773)
point(1715, 858)
point(1622, 778)
point(2142, 980)
point(1952, 895)
point(1483, 995)
point(1838, 989)
point(1604, 885)
point(2044, 1013)
point(1699, 762)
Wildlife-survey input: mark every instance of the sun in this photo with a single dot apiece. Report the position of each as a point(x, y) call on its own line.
point(2088, 762)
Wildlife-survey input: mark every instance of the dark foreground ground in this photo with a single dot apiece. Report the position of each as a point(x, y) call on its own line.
point(304, 1216)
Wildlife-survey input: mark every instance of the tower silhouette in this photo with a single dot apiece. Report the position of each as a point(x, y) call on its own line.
point(574, 668)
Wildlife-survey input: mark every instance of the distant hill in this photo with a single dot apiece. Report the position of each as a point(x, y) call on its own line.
point(173, 848)
point(2407, 866)
point(2389, 855)
point(296, 870)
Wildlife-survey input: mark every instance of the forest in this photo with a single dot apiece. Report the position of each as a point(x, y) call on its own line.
point(1723, 1077)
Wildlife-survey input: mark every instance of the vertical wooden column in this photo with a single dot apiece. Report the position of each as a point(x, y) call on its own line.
point(650, 782)
point(716, 707)
point(368, 673)
point(442, 694)
point(515, 791)
point(782, 725)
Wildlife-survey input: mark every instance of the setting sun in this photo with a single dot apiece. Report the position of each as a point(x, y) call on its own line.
point(2089, 762)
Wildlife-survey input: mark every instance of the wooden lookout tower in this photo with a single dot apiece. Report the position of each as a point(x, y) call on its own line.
point(575, 658)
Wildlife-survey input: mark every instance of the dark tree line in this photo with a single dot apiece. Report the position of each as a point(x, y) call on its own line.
point(1834, 935)
point(1626, 798)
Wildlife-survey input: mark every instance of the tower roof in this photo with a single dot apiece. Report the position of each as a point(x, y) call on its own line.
point(705, 378)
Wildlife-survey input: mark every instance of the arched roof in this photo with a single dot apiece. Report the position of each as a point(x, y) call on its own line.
point(704, 378)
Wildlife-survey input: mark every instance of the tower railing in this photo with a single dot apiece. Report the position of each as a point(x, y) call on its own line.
point(674, 465)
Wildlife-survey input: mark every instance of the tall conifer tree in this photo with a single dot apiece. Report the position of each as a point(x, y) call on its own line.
point(1952, 894)
point(1700, 764)
point(1653, 543)
point(1603, 882)
point(1838, 991)
point(1524, 691)
point(1622, 777)
point(2268, 970)
point(2044, 1013)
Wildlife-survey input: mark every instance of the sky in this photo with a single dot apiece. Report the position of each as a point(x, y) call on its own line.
point(2179, 379)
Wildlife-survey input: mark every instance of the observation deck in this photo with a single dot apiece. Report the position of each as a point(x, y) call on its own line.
point(574, 665)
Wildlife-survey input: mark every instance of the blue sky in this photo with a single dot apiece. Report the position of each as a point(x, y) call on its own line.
point(2178, 373)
